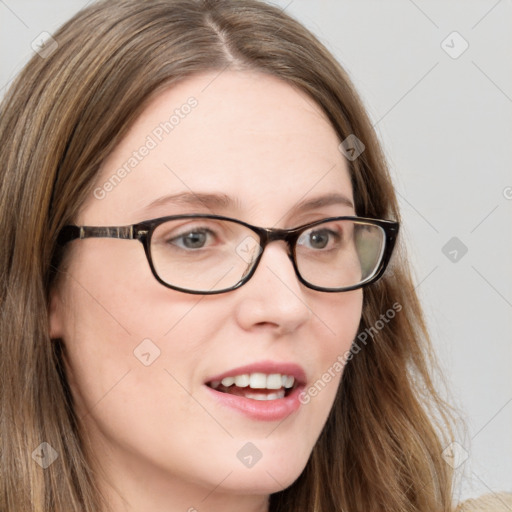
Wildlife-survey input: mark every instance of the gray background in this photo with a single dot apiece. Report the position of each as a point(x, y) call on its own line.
point(446, 125)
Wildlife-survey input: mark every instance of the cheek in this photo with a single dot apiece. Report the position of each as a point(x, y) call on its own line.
point(134, 386)
point(340, 315)
point(108, 321)
point(338, 319)
point(133, 350)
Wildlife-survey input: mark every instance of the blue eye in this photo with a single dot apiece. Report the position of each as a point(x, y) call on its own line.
point(196, 239)
point(319, 238)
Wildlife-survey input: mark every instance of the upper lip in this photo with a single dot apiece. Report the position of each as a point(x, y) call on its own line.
point(267, 367)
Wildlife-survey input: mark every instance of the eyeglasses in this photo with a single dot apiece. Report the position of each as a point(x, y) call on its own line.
point(209, 254)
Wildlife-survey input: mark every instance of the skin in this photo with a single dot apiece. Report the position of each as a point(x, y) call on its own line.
point(158, 440)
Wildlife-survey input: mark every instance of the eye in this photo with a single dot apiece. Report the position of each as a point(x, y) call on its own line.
point(319, 238)
point(193, 239)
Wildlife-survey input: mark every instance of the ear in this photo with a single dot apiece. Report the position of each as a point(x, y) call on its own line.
point(55, 312)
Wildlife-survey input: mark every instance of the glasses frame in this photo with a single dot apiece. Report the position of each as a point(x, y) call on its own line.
point(143, 231)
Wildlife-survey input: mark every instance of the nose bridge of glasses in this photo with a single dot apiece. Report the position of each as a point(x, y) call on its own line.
point(268, 235)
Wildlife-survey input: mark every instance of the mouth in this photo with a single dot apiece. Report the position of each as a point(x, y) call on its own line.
point(263, 391)
point(256, 386)
point(262, 381)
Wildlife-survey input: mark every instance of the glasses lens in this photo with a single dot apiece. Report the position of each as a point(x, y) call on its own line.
point(201, 254)
point(340, 253)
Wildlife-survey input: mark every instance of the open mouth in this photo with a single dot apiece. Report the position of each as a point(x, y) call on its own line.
point(256, 386)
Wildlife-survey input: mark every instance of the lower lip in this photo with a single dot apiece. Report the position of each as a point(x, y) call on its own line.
point(262, 410)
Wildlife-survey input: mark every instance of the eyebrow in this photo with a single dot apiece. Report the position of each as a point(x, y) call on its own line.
point(326, 200)
point(210, 201)
point(223, 201)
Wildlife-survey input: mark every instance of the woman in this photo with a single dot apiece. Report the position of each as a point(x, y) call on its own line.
point(196, 311)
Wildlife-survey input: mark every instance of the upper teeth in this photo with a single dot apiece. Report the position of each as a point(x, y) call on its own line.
point(257, 381)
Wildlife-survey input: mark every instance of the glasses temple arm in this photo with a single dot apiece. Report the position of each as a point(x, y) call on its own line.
point(69, 233)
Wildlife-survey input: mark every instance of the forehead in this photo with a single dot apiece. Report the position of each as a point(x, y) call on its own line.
point(246, 135)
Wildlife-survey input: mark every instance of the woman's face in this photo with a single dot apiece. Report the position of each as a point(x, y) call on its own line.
point(141, 357)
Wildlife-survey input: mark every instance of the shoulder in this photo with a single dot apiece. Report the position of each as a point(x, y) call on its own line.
point(495, 502)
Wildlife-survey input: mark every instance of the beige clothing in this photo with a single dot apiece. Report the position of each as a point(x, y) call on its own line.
point(495, 502)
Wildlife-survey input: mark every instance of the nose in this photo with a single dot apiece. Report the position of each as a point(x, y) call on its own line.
point(273, 298)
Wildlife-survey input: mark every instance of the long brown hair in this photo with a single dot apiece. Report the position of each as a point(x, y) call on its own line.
point(381, 449)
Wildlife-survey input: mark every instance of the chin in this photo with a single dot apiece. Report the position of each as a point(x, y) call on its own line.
point(269, 474)
point(264, 481)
